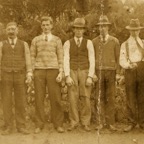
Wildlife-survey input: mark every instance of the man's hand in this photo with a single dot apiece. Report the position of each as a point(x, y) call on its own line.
point(95, 78)
point(133, 65)
point(89, 81)
point(59, 77)
point(28, 79)
point(120, 79)
point(69, 81)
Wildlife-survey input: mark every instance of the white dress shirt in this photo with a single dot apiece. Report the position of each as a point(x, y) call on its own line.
point(91, 57)
point(12, 41)
point(132, 54)
point(106, 37)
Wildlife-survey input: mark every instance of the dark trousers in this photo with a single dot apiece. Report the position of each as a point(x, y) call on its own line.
point(43, 79)
point(105, 94)
point(135, 94)
point(13, 82)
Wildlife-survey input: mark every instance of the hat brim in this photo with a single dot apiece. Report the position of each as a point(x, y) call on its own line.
point(133, 28)
point(103, 23)
point(78, 26)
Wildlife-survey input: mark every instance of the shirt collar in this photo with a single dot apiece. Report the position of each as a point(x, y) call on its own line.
point(76, 38)
point(133, 40)
point(49, 35)
point(14, 40)
point(106, 37)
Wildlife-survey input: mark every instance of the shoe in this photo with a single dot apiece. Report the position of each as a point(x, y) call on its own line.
point(37, 130)
point(60, 129)
point(23, 131)
point(99, 127)
point(7, 131)
point(72, 127)
point(87, 128)
point(128, 128)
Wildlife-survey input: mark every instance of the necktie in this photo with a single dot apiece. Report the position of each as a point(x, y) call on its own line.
point(12, 42)
point(78, 42)
point(46, 38)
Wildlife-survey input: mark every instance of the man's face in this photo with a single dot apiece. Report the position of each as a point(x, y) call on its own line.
point(12, 31)
point(78, 31)
point(134, 33)
point(46, 26)
point(103, 29)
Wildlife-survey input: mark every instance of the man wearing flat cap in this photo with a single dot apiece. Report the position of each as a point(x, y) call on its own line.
point(107, 68)
point(47, 61)
point(15, 69)
point(132, 60)
point(79, 68)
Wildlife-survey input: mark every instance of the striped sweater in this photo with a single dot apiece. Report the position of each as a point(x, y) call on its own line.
point(47, 54)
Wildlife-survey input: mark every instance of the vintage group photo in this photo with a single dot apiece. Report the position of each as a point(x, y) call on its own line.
point(71, 71)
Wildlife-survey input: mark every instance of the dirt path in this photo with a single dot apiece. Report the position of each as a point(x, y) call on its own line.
point(75, 137)
point(50, 136)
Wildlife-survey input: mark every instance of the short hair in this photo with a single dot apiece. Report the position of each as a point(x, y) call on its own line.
point(46, 18)
point(11, 23)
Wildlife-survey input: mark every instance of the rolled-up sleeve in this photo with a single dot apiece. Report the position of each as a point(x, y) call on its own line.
point(66, 48)
point(60, 55)
point(91, 57)
point(123, 57)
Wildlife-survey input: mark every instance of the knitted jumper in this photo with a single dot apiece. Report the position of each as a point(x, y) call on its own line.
point(109, 51)
point(47, 54)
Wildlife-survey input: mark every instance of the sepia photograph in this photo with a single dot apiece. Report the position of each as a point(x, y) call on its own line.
point(71, 71)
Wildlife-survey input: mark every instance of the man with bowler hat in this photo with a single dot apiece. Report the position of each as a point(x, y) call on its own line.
point(79, 68)
point(107, 68)
point(132, 60)
point(15, 69)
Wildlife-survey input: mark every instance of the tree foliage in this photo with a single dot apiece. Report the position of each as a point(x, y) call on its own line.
point(27, 13)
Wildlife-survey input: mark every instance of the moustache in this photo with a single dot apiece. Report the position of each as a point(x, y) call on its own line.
point(10, 34)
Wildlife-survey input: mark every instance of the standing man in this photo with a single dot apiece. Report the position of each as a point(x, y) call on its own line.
point(107, 67)
point(79, 67)
point(132, 60)
point(47, 62)
point(15, 68)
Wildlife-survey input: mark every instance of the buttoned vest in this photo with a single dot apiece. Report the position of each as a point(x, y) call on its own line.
point(79, 55)
point(13, 59)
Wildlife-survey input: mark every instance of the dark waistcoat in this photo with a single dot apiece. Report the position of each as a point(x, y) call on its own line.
point(13, 59)
point(78, 55)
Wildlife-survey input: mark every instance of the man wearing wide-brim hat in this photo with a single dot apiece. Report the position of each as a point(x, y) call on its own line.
point(132, 60)
point(107, 68)
point(103, 20)
point(79, 68)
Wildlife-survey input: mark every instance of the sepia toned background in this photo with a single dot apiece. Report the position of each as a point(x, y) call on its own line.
point(27, 14)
